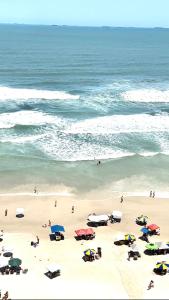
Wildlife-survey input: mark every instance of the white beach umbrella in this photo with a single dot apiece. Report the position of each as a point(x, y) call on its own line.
point(3, 261)
point(20, 211)
point(119, 237)
point(117, 214)
point(53, 267)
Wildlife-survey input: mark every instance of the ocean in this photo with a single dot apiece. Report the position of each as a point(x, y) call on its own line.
point(70, 96)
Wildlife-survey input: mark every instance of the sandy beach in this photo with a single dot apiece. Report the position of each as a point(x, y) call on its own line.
point(111, 277)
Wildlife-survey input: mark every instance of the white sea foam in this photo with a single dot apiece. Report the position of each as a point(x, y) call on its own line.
point(146, 95)
point(7, 93)
point(121, 124)
point(26, 117)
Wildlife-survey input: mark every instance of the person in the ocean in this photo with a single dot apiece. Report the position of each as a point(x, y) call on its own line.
point(98, 163)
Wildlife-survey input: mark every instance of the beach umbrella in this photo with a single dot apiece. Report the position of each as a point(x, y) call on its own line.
point(151, 246)
point(15, 262)
point(89, 252)
point(129, 237)
point(153, 227)
point(57, 228)
point(3, 262)
point(144, 230)
point(142, 218)
point(162, 266)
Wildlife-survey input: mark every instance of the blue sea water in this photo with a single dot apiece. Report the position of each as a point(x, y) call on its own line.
point(70, 96)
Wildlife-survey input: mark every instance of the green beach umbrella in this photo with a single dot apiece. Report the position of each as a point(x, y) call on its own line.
point(151, 246)
point(15, 262)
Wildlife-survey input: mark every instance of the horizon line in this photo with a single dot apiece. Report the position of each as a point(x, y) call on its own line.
point(91, 26)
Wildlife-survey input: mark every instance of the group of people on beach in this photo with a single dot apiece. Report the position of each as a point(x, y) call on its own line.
point(152, 194)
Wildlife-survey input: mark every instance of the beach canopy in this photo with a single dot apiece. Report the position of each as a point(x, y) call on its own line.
point(53, 267)
point(153, 227)
point(89, 252)
point(129, 237)
point(144, 230)
point(98, 218)
point(117, 214)
point(3, 262)
point(57, 228)
point(20, 211)
point(87, 231)
point(151, 246)
point(162, 266)
point(15, 262)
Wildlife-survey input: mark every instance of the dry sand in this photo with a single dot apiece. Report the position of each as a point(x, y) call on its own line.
point(111, 277)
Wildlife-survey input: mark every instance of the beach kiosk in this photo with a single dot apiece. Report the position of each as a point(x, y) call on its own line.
point(20, 212)
point(97, 220)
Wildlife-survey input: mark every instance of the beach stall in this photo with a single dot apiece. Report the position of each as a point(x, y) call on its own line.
point(116, 216)
point(86, 234)
point(56, 233)
point(53, 270)
point(161, 268)
point(20, 212)
point(97, 220)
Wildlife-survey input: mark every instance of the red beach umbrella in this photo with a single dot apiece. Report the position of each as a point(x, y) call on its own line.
point(153, 227)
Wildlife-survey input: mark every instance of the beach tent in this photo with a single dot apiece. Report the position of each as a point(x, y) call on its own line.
point(15, 262)
point(57, 228)
point(20, 212)
point(3, 262)
point(98, 218)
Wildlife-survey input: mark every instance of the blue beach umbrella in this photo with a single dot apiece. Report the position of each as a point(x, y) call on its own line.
point(144, 230)
point(57, 228)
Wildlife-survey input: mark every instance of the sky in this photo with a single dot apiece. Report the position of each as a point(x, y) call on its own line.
point(127, 13)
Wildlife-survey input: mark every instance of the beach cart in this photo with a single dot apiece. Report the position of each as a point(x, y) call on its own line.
point(86, 234)
point(97, 220)
point(116, 216)
point(53, 270)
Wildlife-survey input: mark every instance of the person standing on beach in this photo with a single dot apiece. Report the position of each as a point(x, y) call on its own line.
point(49, 224)
point(73, 209)
point(35, 190)
point(55, 203)
point(151, 193)
point(122, 199)
point(6, 212)
point(37, 239)
point(151, 285)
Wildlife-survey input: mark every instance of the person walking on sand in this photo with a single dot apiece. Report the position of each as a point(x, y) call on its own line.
point(151, 193)
point(122, 199)
point(35, 190)
point(37, 239)
point(151, 285)
point(49, 223)
point(6, 212)
point(73, 209)
point(55, 203)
